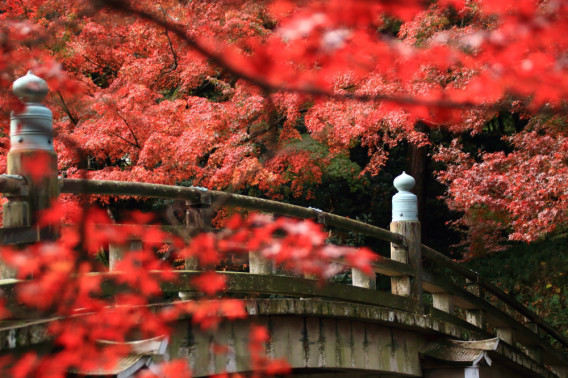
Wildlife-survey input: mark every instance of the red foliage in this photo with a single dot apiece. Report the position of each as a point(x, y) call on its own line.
point(211, 92)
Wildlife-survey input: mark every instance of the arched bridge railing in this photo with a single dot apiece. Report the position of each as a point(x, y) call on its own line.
point(434, 285)
point(423, 282)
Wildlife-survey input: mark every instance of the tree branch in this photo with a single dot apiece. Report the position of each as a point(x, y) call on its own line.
point(218, 59)
point(175, 65)
point(66, 110)
point(124, 139)
point(24, 9)
point(94, 63)
point(136, 143)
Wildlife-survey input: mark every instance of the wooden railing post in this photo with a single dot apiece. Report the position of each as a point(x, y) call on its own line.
point(475, 316)
point(405, 222)
point(535, 351)
point(197, 219)
point(443, 302)
point(259, 264)
point(31, 157)
point(116, 252)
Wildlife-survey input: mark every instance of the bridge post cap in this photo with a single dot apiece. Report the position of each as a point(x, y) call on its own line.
point(404, 182)
point(30, 88)
point(404, 203)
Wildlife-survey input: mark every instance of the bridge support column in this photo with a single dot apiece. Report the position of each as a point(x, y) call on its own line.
point(405, 222)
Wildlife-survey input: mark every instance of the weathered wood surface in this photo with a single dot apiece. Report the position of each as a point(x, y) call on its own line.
point(409, 254)
point(406, 273)
point(483, 283)
point(218, 198)
point(13, 184)
point(238, 282)
point(306, 343)
point(367, 328)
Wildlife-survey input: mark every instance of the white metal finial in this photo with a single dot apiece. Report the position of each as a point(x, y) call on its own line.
point(31, 129)
point(404, 182)
point(404, 203)
point(30, 88)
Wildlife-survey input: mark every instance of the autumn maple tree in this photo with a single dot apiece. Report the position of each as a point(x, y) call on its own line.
point(228, 95)
point(220, 94)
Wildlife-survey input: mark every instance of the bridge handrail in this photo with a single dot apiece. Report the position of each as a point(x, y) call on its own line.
point(440, 259)
point(387, 267)
point(127, 188)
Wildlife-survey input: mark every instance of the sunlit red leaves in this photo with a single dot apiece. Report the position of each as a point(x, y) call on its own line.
point(522, 190)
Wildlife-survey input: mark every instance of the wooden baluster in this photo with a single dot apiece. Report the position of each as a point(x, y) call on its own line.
point(260, 265)
point(360, 279)
point(534, 351)
point(405, 222)
point(116, 252)
point(506, 334)
point(198, 219)
point(475, 316)
point(443, 302)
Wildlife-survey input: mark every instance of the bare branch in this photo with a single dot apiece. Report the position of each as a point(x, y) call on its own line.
point(66, 110)
point(124, 139)
point(175, 64)
point(218, 59)
point(136, 143)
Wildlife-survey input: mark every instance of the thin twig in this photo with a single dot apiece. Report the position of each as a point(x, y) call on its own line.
point(175, 65)
point(66, 110)
point(124, 139)
point(136, 143)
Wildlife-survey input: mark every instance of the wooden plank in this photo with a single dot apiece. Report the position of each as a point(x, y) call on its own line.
point(13, 184)
point(452, 319)
point(246, 283)
point(21, 235)
point(391, 268)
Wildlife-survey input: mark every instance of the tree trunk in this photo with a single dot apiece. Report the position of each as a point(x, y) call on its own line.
point(417, 162)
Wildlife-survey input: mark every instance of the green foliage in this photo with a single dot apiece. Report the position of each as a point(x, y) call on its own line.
point(535, 275)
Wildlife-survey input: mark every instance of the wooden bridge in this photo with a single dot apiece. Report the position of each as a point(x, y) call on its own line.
point(433, 318)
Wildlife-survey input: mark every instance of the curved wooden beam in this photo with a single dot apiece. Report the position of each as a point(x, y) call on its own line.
point(138, 189)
